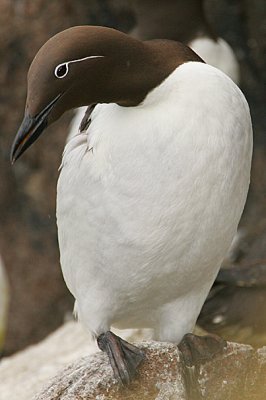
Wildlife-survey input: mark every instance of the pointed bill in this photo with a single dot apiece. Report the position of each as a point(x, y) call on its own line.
point(30, 130)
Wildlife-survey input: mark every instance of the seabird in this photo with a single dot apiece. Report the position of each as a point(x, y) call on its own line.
point(151, 191)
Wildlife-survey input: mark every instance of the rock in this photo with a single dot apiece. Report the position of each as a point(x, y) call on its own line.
point(239, 373)
point(68, 366)
point(23, 374)
point(91, 377)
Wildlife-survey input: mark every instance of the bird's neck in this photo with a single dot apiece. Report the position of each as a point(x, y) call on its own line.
point(143, 68)
point(140, 67)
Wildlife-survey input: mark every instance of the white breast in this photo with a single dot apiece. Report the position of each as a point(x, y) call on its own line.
point(149, 201)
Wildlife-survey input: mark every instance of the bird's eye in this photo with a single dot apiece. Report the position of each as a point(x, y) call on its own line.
point(61, 70)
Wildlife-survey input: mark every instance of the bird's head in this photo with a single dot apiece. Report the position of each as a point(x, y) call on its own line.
point(85, 65)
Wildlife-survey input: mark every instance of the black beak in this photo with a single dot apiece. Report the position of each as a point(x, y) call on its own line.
point(30, 130)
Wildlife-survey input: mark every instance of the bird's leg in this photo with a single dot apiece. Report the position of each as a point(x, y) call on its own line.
point(200, 349)
point(124, 357)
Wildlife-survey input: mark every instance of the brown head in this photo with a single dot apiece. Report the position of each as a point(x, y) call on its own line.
point(86, 65)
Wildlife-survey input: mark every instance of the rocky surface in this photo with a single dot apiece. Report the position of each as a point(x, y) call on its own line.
point(68, 366)
point(24, 373)
point(237, 374)
point(92, 378)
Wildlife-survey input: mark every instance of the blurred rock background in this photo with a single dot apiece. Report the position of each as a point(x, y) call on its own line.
point(28, 240)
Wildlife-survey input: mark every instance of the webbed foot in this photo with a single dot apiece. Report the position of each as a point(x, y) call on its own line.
point(124, 357)
point(195, 351)
point(199, 349)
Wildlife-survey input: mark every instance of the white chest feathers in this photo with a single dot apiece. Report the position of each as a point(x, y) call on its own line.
point(149, 200)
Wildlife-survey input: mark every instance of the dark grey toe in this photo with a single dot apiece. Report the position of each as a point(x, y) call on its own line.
point(124, 357)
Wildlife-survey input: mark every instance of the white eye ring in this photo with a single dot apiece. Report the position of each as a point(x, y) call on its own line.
point(64, 68)
point(65, 64)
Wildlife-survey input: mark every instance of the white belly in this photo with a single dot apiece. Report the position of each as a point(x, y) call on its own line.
point(146, 216)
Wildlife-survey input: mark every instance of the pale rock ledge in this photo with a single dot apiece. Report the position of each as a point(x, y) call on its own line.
point(237, 374)
point(68, 366)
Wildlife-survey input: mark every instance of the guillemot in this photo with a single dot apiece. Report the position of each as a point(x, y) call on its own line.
point(150, 193)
